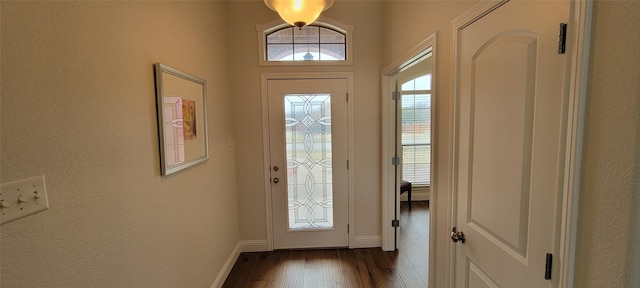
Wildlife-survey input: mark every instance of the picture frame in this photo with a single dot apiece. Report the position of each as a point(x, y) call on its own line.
point(181, 104)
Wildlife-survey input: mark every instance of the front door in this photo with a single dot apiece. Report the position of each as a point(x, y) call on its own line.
point(309, 177)
point(510, 114)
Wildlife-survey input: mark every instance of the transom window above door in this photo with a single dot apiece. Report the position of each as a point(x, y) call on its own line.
point(326, 42)
point(309, 43)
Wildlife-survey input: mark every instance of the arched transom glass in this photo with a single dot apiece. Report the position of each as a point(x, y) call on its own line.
point(309, 43)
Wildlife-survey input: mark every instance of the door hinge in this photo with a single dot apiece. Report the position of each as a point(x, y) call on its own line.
point(347, 164)
point(562, 38)
point(395, 223)
point(395, 161)
point(347, 97)
point(547, 267)
point(347, 228)
point(395, 95)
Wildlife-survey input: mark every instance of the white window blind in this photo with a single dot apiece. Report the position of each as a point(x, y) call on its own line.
point(416, 130)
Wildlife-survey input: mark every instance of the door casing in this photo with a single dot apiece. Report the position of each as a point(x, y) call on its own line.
point(265, 77)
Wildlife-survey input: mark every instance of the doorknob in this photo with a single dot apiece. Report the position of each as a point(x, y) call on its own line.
point(276, 168)
point(457, 235)
point(276, 180)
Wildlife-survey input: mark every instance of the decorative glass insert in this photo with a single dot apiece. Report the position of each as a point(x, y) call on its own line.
point(416, 130)
point(308, 150)
point(309, 43)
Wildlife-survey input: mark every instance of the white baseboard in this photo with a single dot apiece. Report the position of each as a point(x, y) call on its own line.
point(417, 194)
point(420, 196)
point(253, 245)
point(226, 268)
point(367, 241)
point(242, 246)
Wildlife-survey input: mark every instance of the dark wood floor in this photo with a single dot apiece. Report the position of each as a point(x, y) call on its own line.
point(371, 267)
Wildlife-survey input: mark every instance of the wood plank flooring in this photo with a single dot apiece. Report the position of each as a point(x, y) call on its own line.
point(370, 267)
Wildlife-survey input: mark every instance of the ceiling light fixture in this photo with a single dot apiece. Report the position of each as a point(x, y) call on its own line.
point(299, 12)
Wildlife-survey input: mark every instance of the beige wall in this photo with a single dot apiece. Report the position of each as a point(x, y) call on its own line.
point(246, 94)
point(609, 229)
point(78, 106)
point(608, 252)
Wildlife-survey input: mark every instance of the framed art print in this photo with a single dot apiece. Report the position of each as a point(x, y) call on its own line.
point(182, 119)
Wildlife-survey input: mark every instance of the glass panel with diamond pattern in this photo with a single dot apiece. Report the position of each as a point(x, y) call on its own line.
point(308, 150)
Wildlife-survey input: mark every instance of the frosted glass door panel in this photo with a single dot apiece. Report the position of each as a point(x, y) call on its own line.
point(308, 152)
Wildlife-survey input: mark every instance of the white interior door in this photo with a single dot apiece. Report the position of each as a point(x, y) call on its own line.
point(309, 149)
point(509, 144)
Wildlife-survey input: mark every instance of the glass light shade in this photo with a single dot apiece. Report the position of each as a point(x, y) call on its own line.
point(299, 12)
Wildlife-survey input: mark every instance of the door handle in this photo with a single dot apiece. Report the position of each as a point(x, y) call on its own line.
point(276, 180)
point(457, 236)
point(276, 168)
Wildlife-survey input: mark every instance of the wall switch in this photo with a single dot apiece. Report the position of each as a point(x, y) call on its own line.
point(22, 198)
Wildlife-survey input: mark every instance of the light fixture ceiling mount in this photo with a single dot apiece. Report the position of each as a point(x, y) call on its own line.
point(299, 12)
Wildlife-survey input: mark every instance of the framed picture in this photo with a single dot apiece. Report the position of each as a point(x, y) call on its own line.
point(181, 102)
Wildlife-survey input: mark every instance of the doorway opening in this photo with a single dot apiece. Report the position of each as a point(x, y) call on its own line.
point(413, 130)
point(408, 98)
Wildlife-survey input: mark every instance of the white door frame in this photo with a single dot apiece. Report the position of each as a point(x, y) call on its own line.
point(578, 41)
point(390, 191)
point(266, 146)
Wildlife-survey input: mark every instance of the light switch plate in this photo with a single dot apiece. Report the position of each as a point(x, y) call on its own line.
point(22, 198)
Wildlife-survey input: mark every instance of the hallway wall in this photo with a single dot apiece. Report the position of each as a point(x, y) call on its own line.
point(608, 250)
point(78, 106)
